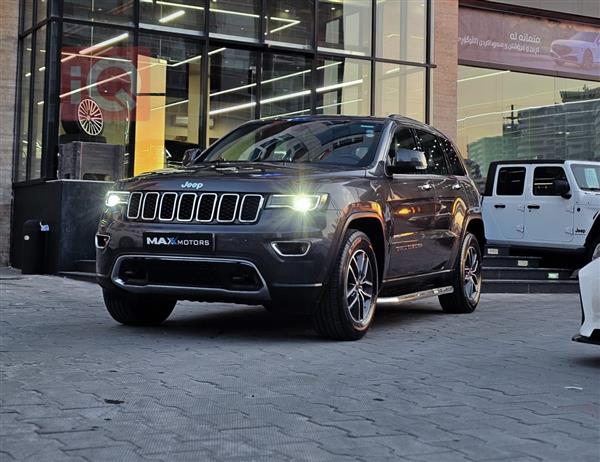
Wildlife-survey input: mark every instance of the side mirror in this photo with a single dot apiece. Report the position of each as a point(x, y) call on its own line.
point(562, 188)
point(408, 161)
point(190, 156)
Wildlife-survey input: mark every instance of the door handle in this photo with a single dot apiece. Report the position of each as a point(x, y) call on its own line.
point(426, 187)
point(533, 206)
point(456, 186)
point(499, 206)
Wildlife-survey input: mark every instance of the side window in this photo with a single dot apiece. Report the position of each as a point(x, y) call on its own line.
point(456, 166)
point(511, 181)
point(543, 180)
point(403, 139)
point(436, 161)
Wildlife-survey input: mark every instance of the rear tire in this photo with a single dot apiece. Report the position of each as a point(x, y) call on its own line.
point(588, 60)
point(137, 310)
point(466, 280)
point(348, 304)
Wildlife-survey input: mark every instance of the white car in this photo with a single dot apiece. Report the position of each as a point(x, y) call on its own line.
point(543, 204)
point(582, 49)
point(589, 287)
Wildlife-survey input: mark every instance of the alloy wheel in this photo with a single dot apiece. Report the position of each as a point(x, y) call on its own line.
point(472, 274)
point(360, 288)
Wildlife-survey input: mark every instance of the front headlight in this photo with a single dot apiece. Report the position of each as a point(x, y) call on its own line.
point(297, 202)
point(115, 198)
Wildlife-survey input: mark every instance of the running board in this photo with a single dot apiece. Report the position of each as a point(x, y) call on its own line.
point(415, 296)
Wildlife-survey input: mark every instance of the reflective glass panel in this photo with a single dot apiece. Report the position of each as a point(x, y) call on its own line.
point(37, 110)
point(505, 115)
point(26, 14)
point(400, 90)
point(290, 22)
point(235, 18)
point(97, 103)
point(232, 90)
point(345, 26)
point(21, 167)
point(344, 86)
point(168, 101)
point(42, 10)
point(114, 11)
point(401, 29)
point(173, 14)
point(285, 85)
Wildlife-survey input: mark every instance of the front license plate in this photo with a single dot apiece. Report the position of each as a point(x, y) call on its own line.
point(187, 242)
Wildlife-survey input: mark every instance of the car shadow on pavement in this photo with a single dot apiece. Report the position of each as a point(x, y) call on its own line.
point(256, 323)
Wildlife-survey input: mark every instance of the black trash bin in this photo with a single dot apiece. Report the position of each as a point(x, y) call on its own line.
point(34, 237)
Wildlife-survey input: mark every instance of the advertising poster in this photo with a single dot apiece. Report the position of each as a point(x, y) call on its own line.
point(545, 45)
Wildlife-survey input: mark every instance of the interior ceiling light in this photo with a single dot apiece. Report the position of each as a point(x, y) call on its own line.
point(171, 17)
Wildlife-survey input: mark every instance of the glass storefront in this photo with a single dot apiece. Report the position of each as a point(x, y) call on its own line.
point(505, 115)
point(139, 82)
point(528, 88)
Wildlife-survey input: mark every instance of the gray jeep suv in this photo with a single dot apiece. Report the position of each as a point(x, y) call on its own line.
point(321, 215)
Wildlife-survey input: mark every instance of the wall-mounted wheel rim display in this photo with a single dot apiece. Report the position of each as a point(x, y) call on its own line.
point(90, 117)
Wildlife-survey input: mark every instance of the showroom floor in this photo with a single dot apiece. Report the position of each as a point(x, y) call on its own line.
point(225, 382)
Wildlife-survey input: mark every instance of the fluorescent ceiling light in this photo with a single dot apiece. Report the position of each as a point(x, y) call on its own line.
point(104, 44)
point(176, 103)
point(336, 63)
point(507, 111)
point(339, 85)
point(340, 104)
point(235, 13)
point(218, 50)
point(185, 61)
point(482, 76)
point(284, 97)
point(177, 5)
point(237, 107)
point(291, 23)
point(346, 52)
point(171, 17)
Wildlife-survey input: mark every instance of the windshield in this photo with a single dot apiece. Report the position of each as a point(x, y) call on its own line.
point(587, 176)
point(351, 143)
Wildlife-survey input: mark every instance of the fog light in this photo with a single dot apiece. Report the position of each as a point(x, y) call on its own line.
point(291, 248)
point(102, 241)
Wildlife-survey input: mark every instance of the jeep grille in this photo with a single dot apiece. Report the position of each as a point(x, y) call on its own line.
point(194, 207)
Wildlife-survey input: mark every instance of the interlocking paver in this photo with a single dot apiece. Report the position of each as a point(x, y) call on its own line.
point(225, 382)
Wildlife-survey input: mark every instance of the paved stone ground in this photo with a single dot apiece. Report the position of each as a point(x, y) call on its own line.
point(233, 383)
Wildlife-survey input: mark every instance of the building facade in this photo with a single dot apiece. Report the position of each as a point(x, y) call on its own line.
point(113, 88)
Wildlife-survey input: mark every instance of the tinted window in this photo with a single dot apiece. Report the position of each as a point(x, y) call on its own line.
point(403, 139)
point(543, 180)
point(436, 161)
point(456, 166)
point(511, 181)
point(336, 142)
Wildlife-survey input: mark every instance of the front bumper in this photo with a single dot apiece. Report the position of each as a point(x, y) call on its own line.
point(295, 282)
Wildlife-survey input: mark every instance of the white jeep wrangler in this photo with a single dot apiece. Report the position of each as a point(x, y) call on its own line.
point(543, 204)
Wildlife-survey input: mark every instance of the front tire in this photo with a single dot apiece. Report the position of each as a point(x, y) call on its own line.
point(136, 310)
point(593, 250)
point(348, 304)
point(466, 280)
point(588, 60)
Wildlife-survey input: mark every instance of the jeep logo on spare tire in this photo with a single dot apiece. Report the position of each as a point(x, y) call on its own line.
point(89, 117)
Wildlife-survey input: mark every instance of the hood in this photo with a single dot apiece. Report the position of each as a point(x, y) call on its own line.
point(240, 177)
point(569, 43)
